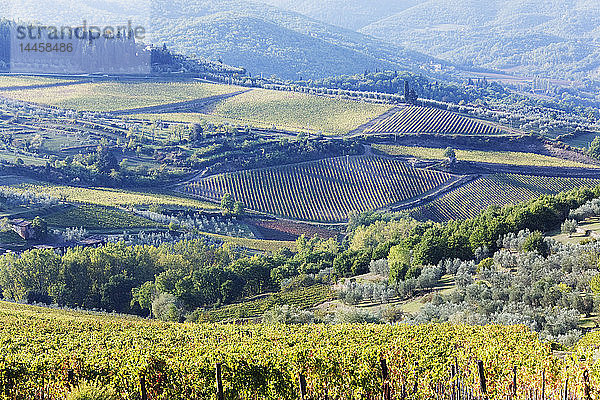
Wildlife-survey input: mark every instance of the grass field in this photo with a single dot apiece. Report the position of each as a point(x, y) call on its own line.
point(496, 157)
point(9, 81)
point(415, 119)
point(592, 224)
point(255, 244)
point(12, 156)
point(582, 140)
point(111, 96)
point(109, 197)
point(323, 191)
point(500, 189)
point(97, 218)
point(297, 111)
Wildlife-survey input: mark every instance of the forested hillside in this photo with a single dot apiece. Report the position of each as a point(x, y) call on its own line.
point(522, 36)
point(260, 37)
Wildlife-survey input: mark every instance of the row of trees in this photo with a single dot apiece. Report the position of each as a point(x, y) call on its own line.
point(129, 279)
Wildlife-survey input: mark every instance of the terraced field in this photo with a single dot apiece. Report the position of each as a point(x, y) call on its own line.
point(323, 191)
point(415, 119)
point(495, 157)
point(499, 189)
point(297, 111)
point(111, 96)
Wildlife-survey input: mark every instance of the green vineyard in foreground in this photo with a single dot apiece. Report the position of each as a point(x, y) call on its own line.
point(326, 190)
point(42, 348)
point(499, 189)
point(415, 119)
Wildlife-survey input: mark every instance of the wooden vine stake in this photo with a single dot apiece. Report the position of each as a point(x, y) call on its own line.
point(544, 385)
point(143, 392)
point(386, 390)
point(220, 395)
point(514, 382)
point(482, 382)
point(71, 378)
point(302, 384)
point(587, 393)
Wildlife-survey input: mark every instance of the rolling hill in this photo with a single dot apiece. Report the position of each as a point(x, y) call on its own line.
point(260, 37)
point(522, 36)
point(350, 14)
point(323, 191)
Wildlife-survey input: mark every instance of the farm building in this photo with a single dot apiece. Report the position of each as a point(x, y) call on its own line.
point(23, 228)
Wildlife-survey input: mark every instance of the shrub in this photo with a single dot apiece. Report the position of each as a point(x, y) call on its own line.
point(288, 315)
point(166, 307)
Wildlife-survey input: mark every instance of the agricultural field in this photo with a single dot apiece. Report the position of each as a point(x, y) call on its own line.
point(416, 119)
point(591, 226)
point(297, 111)
point(10, 81)
point(494, 157)
point(499, 190)
point(97, 218)
point(270, 246)
point(303, 298)
point(108, 197)
point(11, 156)
point(112, 96)
point(322, 191)
point(582, 140)
point(177, 361)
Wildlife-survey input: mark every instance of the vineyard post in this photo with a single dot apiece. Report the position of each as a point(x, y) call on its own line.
point(457, 376)
point(416, 378)
point(143, 392)
point(566, 393)
point(544, 384)
point(220, 395)
point(302, 384)
point(482, 378)
point(71, 378)
point(452, 383)
point(514, 382)
point(387, 395)
point(586, 385)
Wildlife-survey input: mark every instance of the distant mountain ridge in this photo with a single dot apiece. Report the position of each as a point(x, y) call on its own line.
point(550, 37)
point(260, 37)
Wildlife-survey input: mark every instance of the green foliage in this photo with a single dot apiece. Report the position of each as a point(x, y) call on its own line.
point(536, 243)
point(40, 227)
point(238, 208)
point(166, 307)
point(485, 264)
point(399, 261)
point(227, 202)
point(449, 153)
point(299, 298)
point(595, 284)
point(594, 149)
